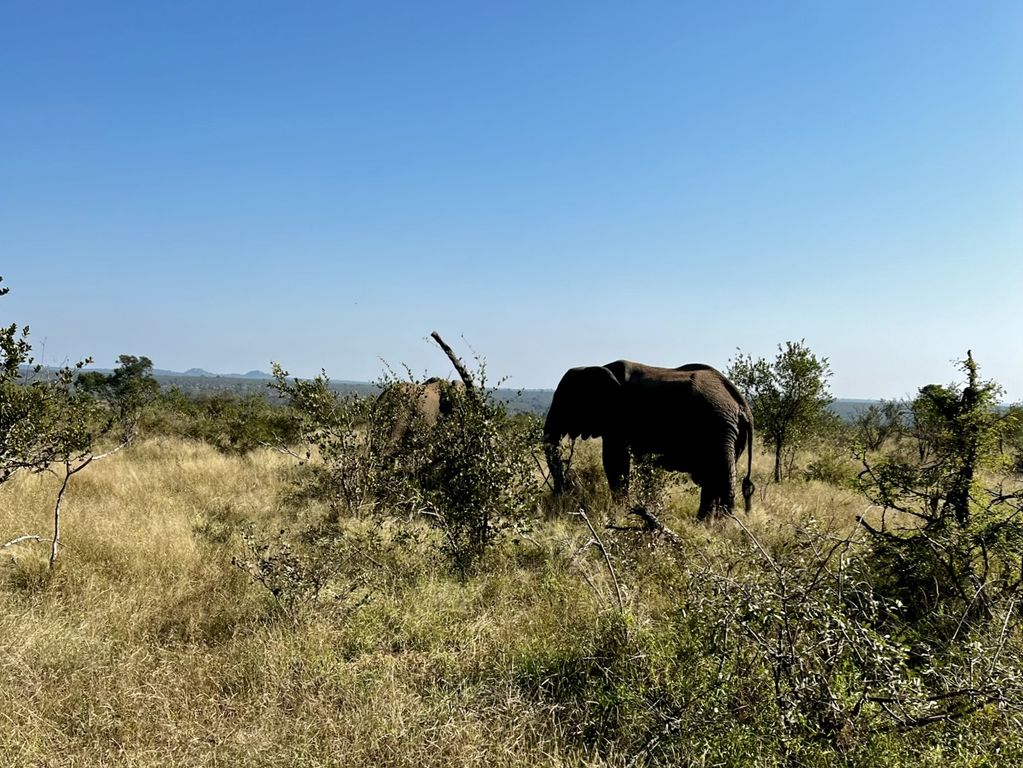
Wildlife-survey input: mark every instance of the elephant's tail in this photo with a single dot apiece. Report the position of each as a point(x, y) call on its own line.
point(747, 483)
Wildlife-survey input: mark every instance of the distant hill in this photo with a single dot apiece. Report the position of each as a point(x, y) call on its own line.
point(850, 408)
point(158, 372)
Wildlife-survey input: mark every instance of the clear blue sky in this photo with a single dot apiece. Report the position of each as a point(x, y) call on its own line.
point(222, 184)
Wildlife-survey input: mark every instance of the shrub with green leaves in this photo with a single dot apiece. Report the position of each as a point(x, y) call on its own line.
point(950, 538)
point(230, 421)
point(1011, 437)
point(470, 473)
point(47, 423)
point(339, 429)
point(480, 480)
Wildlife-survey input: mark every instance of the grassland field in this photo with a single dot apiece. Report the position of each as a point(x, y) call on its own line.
point(153, 642)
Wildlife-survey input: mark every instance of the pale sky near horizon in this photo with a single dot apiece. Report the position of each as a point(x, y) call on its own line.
point(219, 185)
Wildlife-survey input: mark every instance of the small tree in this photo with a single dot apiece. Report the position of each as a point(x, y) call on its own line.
point(37, 424)
point(879, 423)
point(789, 396)
point(926, 422)
point(46, 422)
point(22, 408)
point(479, 481)
point(951, 532)
point(126, 391)
point(1011, 440)
point(471, 474)
point(339, 429)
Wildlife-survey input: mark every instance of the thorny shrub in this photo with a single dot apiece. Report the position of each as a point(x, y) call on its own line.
point(949, 543)
point(470, 474)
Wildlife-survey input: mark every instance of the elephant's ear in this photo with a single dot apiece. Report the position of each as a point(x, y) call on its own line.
point(587, 403)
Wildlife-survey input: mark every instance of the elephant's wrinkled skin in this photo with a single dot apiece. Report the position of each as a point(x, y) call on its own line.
point(408, 404)
point(689, 419)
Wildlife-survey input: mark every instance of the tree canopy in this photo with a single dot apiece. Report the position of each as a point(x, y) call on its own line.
point(789, 396)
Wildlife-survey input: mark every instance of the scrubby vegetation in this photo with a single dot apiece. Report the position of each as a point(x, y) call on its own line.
point(252, 583)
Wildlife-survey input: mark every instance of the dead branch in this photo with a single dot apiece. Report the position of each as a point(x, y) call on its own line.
point(758, 545)
point(652, 523)
point(287, 451)
point(70, 470)
point(543, 473)
point(463, 372)
point(607, 559)
point(19, 539)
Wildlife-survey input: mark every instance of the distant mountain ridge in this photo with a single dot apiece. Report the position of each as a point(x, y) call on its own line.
point(203, 372)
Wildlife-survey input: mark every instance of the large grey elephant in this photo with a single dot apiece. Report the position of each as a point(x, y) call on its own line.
point(688, 419)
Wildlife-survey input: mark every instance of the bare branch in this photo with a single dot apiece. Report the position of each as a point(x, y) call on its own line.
point(652, 523)
point(607, 558)
point(123, 444)
point(758, 545)
point(463, 372)
point(18, 540)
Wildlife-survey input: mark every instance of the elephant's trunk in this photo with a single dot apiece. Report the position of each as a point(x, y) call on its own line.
point(555, 463)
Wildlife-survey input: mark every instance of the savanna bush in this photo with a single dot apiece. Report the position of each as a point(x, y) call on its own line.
point(231, 422)
point(471, 474)
point(485, 485)
point(949, 541)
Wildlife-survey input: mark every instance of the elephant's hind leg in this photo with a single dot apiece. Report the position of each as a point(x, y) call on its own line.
point(717, 489)
point(713, 503)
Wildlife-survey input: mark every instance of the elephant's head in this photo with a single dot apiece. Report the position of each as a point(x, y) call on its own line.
point(587, 403)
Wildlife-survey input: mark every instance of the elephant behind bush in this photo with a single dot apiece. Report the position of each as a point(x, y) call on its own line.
point(408, 405)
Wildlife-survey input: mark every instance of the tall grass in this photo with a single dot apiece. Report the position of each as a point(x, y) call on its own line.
point(151, 644)
point(147, 646)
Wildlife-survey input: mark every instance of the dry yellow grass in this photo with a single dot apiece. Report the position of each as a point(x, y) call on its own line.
point(148, 646)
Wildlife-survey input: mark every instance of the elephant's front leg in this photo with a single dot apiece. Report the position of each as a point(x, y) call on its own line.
point(615, 454)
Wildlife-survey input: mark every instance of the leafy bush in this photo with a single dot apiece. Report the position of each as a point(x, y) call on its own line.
point(47, 423)
point(832, 465)
point(1011, 438)
point(949, 545)
point(341, 431)
point(472, 473)
point(232, 422)
point(881, 423)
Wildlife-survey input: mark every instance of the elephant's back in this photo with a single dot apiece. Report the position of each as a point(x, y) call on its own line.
point(633, 372)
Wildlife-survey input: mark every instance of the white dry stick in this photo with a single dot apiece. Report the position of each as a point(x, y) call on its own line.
point(68, 472)
point(19, 539)
point(607, 559)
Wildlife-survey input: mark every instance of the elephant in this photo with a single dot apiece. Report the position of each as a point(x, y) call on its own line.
point(410, 405)
point(687, 419)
